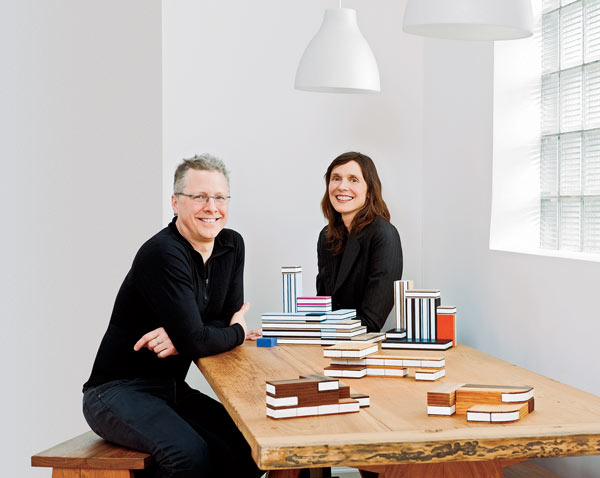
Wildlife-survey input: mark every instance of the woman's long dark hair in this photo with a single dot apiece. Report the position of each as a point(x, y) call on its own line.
point(374, 203)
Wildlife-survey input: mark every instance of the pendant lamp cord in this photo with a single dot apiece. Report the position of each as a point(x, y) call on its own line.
point(340, 3)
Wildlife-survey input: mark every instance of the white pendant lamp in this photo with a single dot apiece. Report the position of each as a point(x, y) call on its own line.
point(338, 59)
point(469, 19)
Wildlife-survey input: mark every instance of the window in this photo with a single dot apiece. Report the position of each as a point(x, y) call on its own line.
point(570, 126)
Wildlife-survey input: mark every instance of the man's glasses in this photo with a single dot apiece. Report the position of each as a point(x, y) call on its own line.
point(204, 198)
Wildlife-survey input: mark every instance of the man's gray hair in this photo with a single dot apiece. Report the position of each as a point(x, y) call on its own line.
point(202, 162)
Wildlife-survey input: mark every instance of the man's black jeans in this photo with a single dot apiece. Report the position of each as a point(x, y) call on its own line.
point(188, 433)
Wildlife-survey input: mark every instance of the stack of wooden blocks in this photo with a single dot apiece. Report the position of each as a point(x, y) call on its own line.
point(319, 328)
point(360, 360)
point(481, 403)
point(317, 303)
point(311, 395)
point(421, 322)
point(291, 283)
point(307, 320)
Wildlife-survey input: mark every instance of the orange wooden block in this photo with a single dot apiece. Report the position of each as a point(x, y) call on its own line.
point(445, 327)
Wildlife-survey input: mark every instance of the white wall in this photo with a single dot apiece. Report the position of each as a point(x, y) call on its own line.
point(80, 185)
point(229, 70)
point(536, 312)
point(81, 181)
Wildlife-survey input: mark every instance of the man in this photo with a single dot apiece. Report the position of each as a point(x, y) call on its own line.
point(184, 297)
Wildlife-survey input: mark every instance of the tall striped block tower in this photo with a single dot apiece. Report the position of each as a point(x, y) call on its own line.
point(291, 278)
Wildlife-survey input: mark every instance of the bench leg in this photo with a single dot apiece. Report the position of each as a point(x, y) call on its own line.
point(87, 473)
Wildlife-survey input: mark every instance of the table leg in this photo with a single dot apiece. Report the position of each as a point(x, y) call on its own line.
point(461, 469)
point(288, 473)
point(456, 469)
point(368, 474)
point(320, 472)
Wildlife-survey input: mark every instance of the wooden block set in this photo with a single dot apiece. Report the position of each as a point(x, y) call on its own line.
point(311, 395)
point(421, 322)
point(481, 403)
point(360, 360)
point(320, 328)
point(310, 320)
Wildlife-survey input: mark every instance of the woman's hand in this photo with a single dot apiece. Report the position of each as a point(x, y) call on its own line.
point(157, 341)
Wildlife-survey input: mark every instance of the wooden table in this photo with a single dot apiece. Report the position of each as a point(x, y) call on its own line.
point(394, 436)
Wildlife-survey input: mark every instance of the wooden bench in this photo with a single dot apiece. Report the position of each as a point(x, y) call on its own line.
point(89, 456)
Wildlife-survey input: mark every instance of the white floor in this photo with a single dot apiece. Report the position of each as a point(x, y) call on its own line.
point(345, 472)
point(342, 472)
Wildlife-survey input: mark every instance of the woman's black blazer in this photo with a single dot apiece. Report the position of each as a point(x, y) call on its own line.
point(362, 276)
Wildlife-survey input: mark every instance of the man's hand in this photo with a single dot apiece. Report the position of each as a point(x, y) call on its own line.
point(158, 342)
point(254, 334)
point(240, 316)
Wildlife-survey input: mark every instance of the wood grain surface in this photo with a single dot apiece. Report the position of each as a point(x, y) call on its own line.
point(93, 473)
point(396, 429)
point(91, 452)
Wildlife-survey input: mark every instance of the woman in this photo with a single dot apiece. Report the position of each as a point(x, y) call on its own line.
point(359, 251)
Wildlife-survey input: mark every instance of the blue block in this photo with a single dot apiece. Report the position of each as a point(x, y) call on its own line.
point(266, 341)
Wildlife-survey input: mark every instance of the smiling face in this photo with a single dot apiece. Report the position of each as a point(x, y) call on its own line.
point(200, 222)
point(347, 190)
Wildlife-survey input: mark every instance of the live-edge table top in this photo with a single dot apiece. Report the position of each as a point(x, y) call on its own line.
point(396, 429)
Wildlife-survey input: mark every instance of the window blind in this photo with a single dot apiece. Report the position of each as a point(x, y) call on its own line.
point(570, 125)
